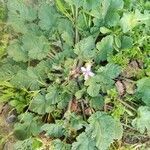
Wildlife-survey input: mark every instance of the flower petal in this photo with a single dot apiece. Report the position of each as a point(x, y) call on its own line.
point(91, 74)
point(83, 69)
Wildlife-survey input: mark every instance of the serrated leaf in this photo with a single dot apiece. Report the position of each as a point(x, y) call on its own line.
point(93, 89)
point(107, 10)
point(28, 144)
point(59, 145)
point(97, 102)
point(23, 145)
point(7, 71)
point(17, 52)
point(64, 100)
point(19, 13)
point(143, 90)
point(53, 130)
point(142, 121)
point(104, 129)
point(130, 20)
point(27, 79)
point(29, 126)
point(110, 70)
point(104, 47)
point(126, 42)
point(39, 104)
point(22, 9)
point(37, 46)
point(84, 48)
point(53, 95)
point(99, 134)
point(76, 121)
point(84, 142)
point(48, 16)
point(103, 79)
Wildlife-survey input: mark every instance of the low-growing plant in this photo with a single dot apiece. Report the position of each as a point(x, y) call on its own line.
point(76, 71)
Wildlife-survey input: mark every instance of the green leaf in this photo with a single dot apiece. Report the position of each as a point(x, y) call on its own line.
point(110, 70)
point(130, 20)
point(103, 79)
point(94, 89)
point(77, 3)
point(76, 121)
point(90, 4)
point(26, 79)
point(28, 144)
point(111, 13)
point(39, 104)
point(104, 129)
point(85, 48)
point(53, 95)
point(84, 142)
point(23, 145)
point(104, 47)
point(142, 121)
point(7, 71)
point(19, 103)
point(64, 100)
point(29, 126)
point(16, 51)
point(59, 145)
point(97, 102)
point(108, 11)
point(126, 42)
point(79, 93)
point(19, 12)
point(143, 90)
point(21, 80)
point(99, 134)
point(37, 46)
point(48, 16)
point(22, 9)
point(53, 130)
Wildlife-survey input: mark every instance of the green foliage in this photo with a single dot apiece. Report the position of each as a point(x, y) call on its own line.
point(37, 46)
point(103, 80)
point(19, 13)
point(143, 90)
point(48, 17)
point(64, 61)
point(131, 20)
point(28, 126)
point(17, 52)
point(28, 144)
point(59, 145)
point(99, 134)
point(142, 121)
point(84, 49)
point(105, 48)
point(84, 141)
point(53, 130)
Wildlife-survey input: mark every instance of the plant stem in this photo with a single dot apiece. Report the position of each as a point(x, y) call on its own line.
point(76, 30)
point(127, 105)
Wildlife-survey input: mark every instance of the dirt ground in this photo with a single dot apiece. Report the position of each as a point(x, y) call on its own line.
point(6, 142)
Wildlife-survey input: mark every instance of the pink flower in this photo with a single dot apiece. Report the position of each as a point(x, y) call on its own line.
point(87, 71)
